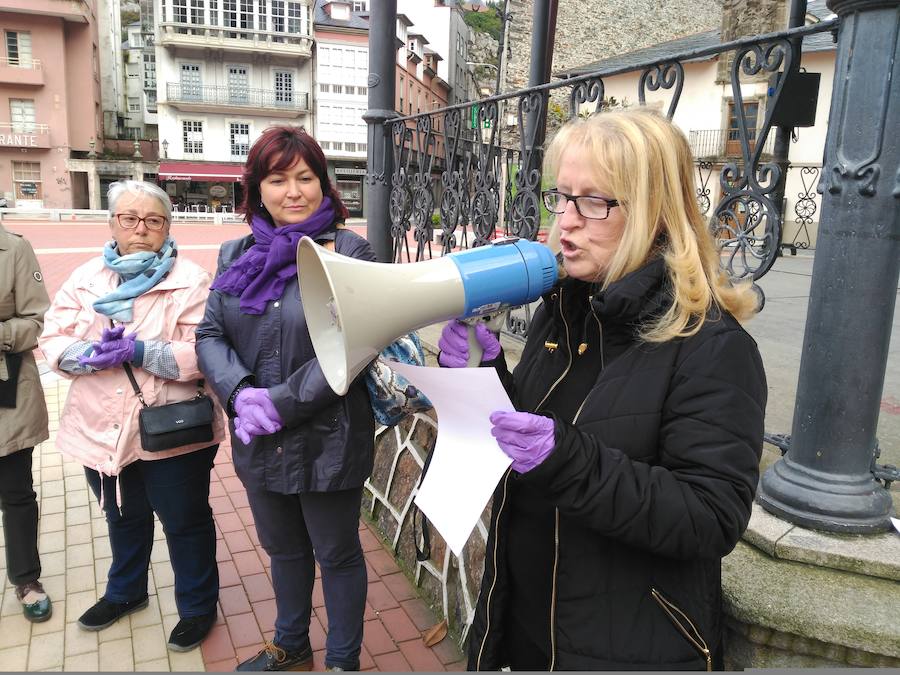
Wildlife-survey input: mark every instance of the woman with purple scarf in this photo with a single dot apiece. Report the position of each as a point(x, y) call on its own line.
point(301, 451)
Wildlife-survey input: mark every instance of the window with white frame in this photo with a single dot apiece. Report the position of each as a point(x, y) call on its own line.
point(179, 11)
point(191, 87)
point(324, 88)
point(261, 21)
point(27, 180)
point(295, 23)
point(18, 48)
point(192, 137)
point(214, 13)
point(21, 114)
point(149, 70)
point(278, 17)
point(360, 6)
point(151, 100)
point(245, 14)
point(230, 15)
point(239, 135)
point(197, 17)
point(326, 145)
point(337, 89)
point(134, 104)
point(338, 145)
point(284, 87)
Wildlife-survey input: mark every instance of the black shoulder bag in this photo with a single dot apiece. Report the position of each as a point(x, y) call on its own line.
point(174, 425)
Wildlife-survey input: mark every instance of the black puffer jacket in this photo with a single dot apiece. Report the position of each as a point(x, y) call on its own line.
point(651, 484)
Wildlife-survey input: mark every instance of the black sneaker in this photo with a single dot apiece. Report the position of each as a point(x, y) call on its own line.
point(273, 657)
point(106, 613)
point(191, 631)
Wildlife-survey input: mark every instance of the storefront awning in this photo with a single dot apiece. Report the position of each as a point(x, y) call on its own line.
point(202, 173)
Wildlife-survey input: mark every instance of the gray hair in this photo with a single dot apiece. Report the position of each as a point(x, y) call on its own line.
point(119, 188)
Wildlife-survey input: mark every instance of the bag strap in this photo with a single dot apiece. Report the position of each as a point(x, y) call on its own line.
point(134, 384)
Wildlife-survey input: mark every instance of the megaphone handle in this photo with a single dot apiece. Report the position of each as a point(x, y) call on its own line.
point(475, 349)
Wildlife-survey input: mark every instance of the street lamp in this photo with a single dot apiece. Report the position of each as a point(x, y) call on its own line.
point(165, 148)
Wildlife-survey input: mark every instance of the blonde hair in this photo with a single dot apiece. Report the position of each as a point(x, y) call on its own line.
point(644, 162)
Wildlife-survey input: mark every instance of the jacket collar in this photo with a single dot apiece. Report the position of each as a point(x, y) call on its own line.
point(637, 297)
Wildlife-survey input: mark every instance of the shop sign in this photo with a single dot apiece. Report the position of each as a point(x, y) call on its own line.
point(19, 140)
point(28, 188)
point(217, 191)
point(348, 171)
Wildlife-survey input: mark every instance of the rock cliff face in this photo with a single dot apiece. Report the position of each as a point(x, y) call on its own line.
point(589, 30)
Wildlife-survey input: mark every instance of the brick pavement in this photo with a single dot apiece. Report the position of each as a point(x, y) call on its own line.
point(75, 556)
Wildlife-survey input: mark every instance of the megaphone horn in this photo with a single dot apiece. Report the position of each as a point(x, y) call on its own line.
point(355, 308)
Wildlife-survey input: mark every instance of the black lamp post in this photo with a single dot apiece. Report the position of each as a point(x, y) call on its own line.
point(165, 148)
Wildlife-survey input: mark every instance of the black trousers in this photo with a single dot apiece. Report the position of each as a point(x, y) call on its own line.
point(20, 517)
point(177, 489)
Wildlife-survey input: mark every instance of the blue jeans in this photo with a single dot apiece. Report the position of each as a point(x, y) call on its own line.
point(297, 530)
point(177, 489)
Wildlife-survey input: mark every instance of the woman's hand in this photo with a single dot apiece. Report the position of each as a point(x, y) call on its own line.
point(454, 344)
point(256, 414)
point(112, 350)
point(527, 439)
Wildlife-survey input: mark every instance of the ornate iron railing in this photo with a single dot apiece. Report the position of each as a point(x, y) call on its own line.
point(487, 185)
point(710, 144)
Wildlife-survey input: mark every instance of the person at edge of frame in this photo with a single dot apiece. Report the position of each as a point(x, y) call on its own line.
point(23, 417)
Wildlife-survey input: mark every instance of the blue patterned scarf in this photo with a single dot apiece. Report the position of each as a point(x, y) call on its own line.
point(262, 272)
point(139, 273)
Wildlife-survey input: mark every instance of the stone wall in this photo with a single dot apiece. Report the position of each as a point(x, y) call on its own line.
point(590, 30)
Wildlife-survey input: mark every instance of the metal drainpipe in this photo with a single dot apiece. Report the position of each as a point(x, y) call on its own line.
point(380, 157)
point(825, 481)
point(781, 149)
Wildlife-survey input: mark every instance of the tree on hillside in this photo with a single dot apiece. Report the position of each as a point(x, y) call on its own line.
point(485, 21)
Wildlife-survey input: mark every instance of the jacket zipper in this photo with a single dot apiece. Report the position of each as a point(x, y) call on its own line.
point(553, 594)
point(602, 365)
point(487, 630)
point(693, 635)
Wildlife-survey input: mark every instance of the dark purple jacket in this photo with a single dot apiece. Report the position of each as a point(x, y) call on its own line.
point(328, 441)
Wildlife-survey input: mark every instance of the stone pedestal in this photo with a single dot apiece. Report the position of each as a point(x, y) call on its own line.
point(797, 598)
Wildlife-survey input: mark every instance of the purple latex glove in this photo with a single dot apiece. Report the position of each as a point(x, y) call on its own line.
point(110, 353)
point(246, 430)
point(454, 344)
point(110, 334)
point(256, 412)
point(526, 438)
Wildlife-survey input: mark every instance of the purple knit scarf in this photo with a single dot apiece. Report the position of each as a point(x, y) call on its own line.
point(262, 272)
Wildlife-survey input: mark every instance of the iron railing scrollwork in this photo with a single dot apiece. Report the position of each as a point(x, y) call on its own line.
point(747, 222)
point(806, 206)
point(665, 75)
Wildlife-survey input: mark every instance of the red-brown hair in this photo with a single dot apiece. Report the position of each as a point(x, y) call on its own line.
point(277, 149)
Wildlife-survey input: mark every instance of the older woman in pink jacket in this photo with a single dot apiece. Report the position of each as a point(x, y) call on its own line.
point(138, 304)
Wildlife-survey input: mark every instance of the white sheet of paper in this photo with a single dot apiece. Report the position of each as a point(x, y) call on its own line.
point(467, 463)
point(896, 523)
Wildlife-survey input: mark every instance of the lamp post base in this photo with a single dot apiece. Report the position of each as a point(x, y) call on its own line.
point(824, 501)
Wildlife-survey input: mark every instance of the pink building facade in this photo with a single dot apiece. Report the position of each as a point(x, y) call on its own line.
point(49, 100)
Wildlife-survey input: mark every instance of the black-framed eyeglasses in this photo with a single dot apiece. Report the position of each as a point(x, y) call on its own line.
point(129, 221)
point(594, 208)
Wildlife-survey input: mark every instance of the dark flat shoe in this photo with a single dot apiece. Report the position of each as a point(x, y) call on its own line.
point(106, 613)
point(191, 631)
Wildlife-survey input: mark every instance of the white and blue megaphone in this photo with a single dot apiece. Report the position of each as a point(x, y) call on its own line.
point(354, 308)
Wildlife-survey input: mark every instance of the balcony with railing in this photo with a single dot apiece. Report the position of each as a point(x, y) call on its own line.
point(24, 135)
point(241, 100)
point(198, 37)
point(21, 72)
point(716, 144)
